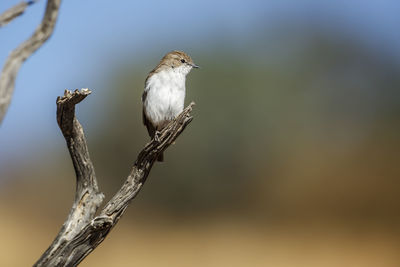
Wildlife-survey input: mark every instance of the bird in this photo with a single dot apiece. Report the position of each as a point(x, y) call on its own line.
point(164, 92)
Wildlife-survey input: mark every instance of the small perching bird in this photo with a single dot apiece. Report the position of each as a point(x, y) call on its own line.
point(164, 92)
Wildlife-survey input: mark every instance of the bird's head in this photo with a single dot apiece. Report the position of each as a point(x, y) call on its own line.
point(178, 61)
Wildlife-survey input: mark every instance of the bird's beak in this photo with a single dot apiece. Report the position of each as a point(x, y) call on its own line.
point(194, 66)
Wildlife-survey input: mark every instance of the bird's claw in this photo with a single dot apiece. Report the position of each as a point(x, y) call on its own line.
point(157, 136)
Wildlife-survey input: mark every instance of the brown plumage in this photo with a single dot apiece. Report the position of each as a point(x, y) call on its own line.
point(171, 59)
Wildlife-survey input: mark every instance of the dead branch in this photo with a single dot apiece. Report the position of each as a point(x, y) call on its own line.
point(82, 232)
point(13, 12)
point(24, 50)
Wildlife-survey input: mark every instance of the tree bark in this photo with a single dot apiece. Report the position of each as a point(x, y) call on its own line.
point(82, 232)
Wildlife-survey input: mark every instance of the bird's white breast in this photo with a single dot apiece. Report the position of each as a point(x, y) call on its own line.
point(165, 95)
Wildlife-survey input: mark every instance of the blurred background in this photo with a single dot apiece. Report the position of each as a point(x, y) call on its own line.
point(292, 158)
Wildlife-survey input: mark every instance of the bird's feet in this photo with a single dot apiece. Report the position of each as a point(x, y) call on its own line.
point(157, 136)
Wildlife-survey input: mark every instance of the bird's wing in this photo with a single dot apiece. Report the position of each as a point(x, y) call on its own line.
point(150, 127)
point(144, 119)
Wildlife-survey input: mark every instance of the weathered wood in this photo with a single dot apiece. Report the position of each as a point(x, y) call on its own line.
point(82, 232)
point(23, 51)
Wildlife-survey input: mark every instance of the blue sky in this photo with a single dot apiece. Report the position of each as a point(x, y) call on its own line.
point(91, 37)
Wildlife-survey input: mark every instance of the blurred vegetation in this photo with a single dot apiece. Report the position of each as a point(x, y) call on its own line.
point(288, 124)
point(292, 126)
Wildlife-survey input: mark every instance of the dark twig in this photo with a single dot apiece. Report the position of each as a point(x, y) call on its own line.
point(82, 232)
point(23, 51)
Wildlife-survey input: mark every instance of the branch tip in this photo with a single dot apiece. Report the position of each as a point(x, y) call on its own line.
point(73, 97)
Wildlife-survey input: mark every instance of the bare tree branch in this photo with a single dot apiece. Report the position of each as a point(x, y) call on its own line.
point(13, 12)
point(87, 196)
point(82, 232)
point(23, 51)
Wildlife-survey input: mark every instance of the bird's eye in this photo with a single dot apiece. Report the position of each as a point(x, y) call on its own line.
point(182, 60)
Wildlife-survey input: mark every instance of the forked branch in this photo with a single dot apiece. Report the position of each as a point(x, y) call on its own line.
point(83, 231)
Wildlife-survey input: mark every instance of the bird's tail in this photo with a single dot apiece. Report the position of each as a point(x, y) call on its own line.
point(161, 157)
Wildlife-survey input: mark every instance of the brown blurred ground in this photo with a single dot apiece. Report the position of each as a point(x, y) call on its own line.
point(29, 224)
point(214, 242)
